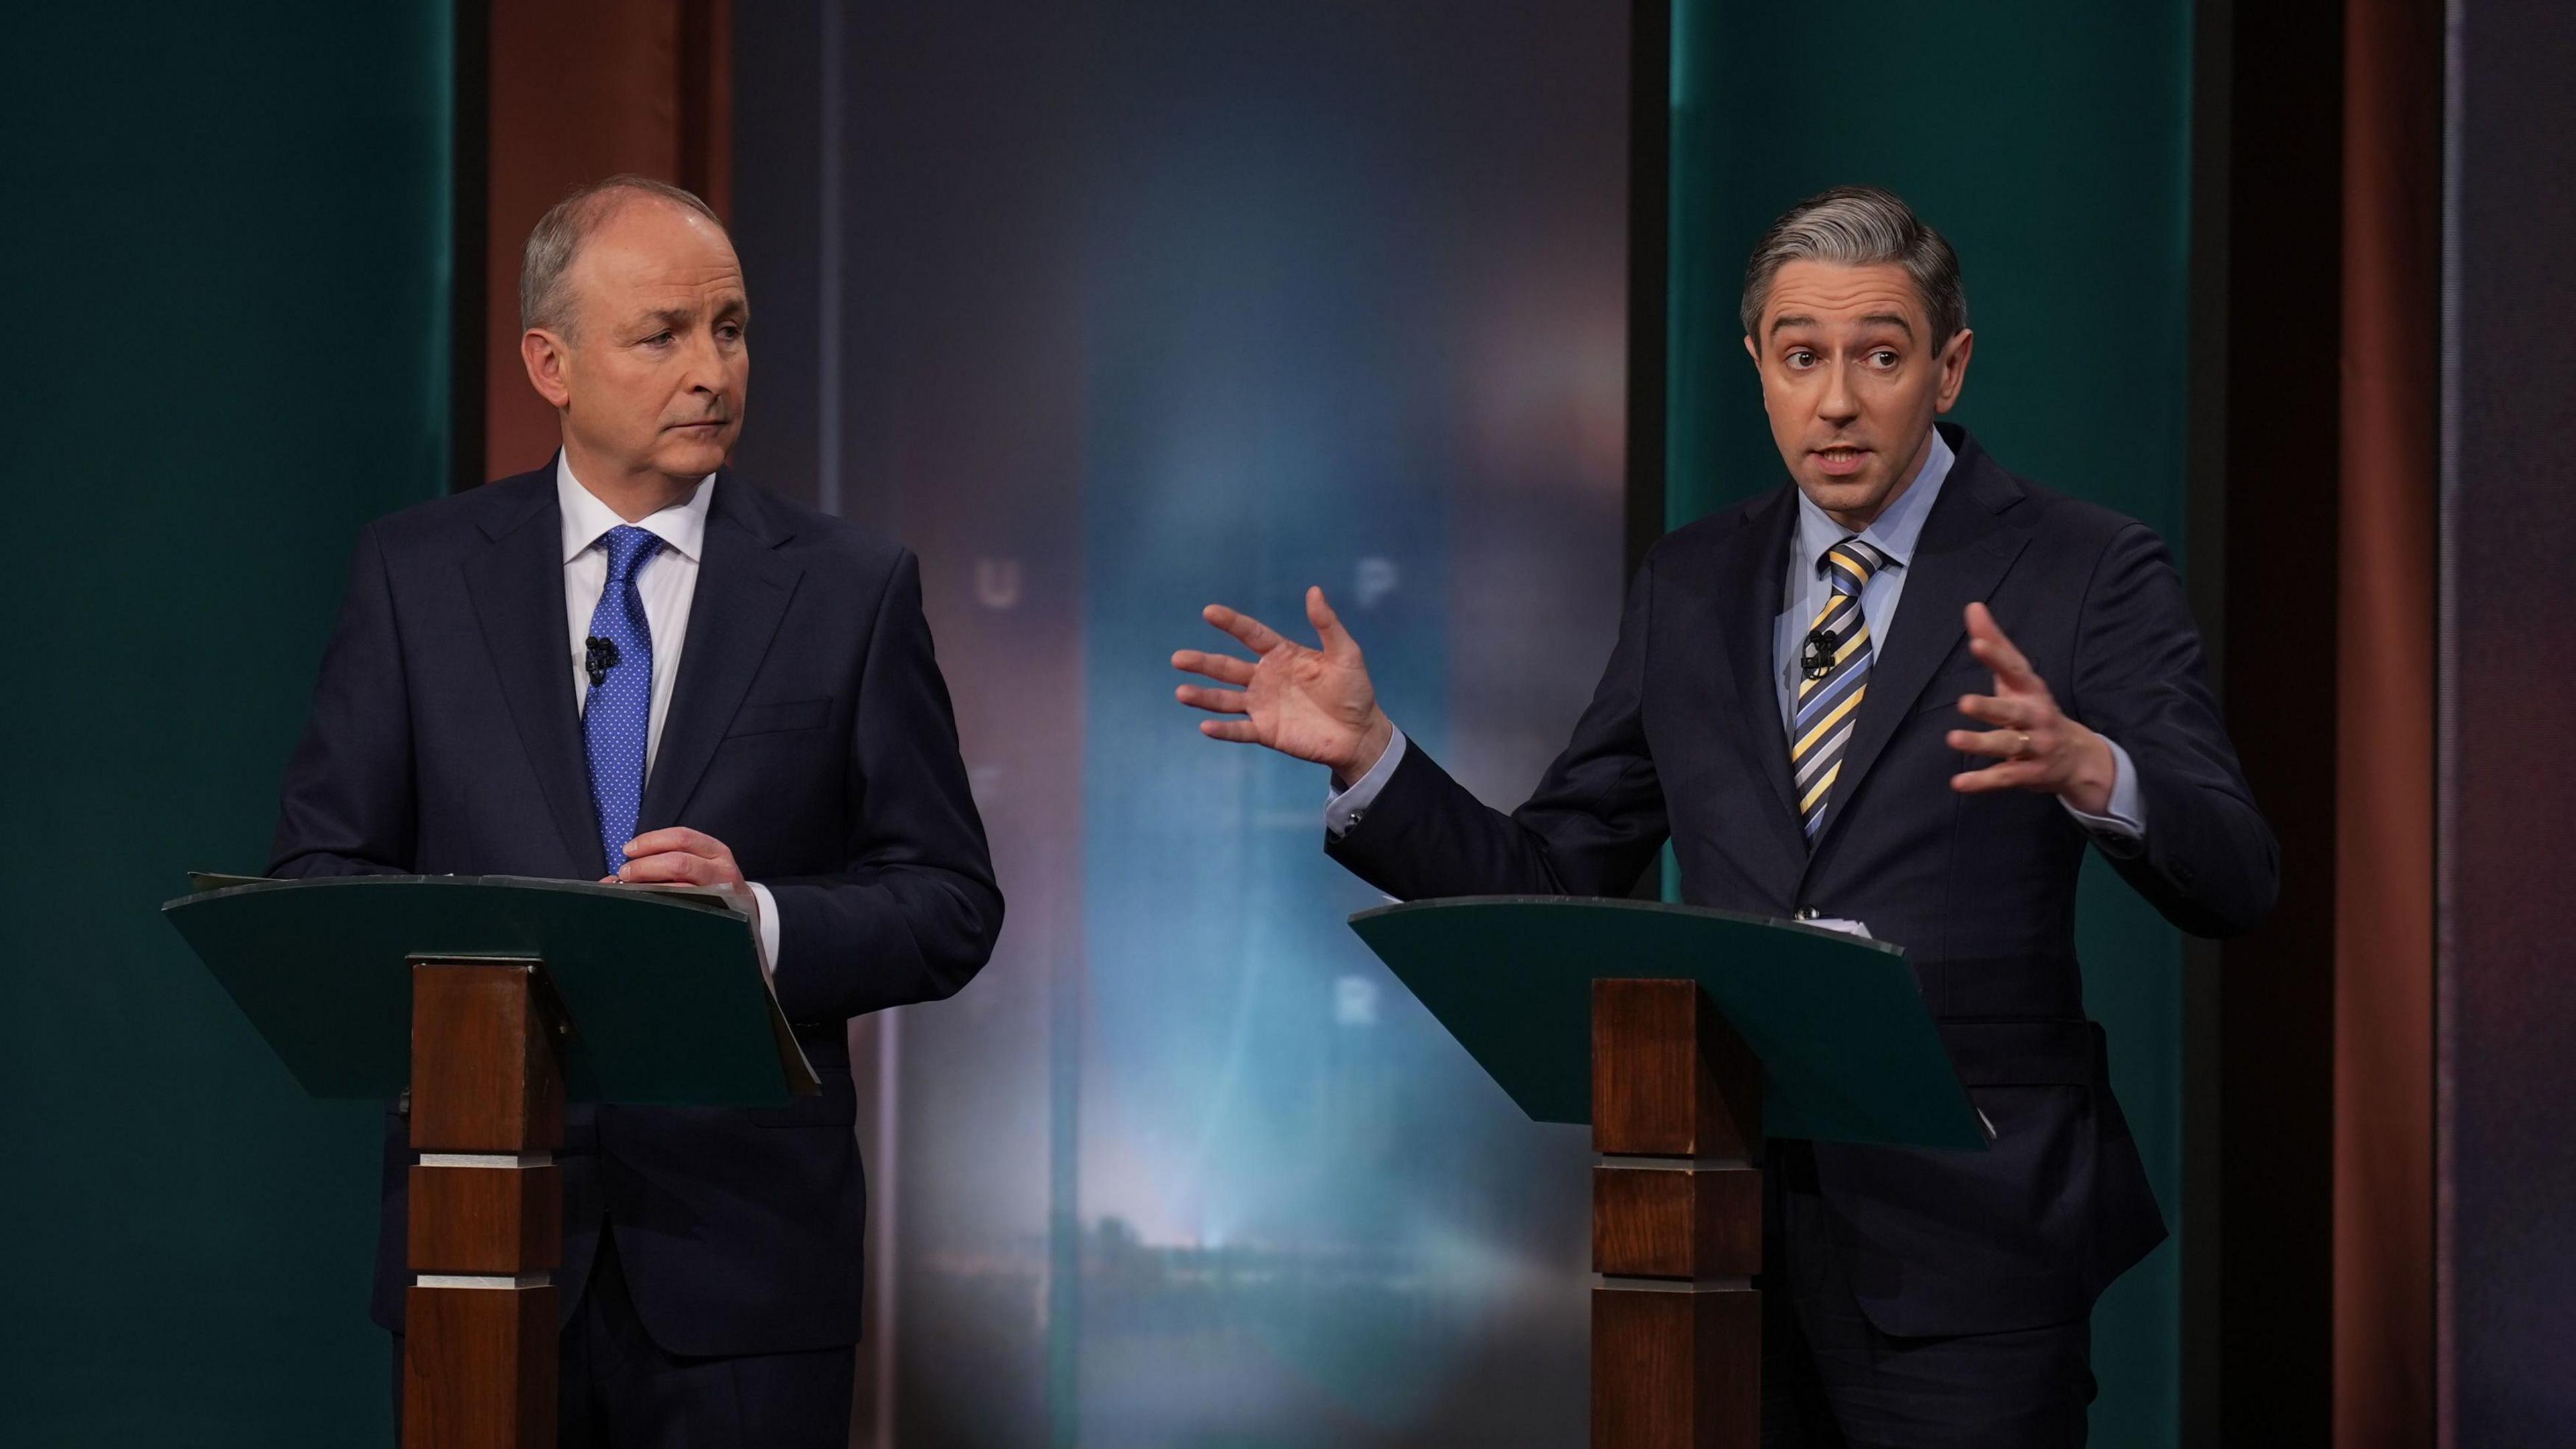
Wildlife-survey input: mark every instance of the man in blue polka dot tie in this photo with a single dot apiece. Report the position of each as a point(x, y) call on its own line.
point(630, 665)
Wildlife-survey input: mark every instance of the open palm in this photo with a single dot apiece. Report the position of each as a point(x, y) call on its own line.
point(1314, 704)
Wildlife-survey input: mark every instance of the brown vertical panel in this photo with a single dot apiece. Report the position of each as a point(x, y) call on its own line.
point(578, 90)
point(2385, 688)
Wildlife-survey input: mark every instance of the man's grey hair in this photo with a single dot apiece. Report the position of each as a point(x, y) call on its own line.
point(1860, 226)
point(545, 298)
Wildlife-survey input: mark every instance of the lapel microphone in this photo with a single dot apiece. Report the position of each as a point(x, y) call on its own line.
point(597, 658)
point(1817, 659)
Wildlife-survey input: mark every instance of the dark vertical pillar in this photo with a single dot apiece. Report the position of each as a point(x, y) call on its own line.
point(2281, 451)
point(469, 247)
point(1650, 157)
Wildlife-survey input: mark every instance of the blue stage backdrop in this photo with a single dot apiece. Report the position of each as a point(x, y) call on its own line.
point(1128, 307)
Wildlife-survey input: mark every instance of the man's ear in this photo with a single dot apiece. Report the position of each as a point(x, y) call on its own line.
point(1954, 369)
point(549, 363)
point(1753, 352)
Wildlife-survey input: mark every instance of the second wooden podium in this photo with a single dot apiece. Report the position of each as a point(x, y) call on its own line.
point(1686, 1037)
point(491, 1001)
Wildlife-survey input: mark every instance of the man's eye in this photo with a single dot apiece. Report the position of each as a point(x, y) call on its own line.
point(658, 339)
point(1883, 358)
point(1801, 357)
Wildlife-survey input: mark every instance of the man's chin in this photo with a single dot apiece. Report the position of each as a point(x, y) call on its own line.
point(683, 454)
point(1843, 496)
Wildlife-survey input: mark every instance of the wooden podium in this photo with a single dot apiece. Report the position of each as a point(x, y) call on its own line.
point(491, 1000)
point(1686, 1037)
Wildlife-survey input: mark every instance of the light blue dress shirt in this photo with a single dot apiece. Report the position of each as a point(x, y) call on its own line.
point(1894, 533)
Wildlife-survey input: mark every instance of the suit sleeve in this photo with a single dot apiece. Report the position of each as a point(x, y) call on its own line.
point(1591, 829)
point(915, 912)
point(2208, 862)
point(346, 807)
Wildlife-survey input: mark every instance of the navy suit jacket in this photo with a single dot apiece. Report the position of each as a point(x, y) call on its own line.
point(809, 730)
point(1683, 740)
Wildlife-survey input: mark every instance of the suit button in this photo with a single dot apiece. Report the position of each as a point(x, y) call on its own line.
point(1808, 913)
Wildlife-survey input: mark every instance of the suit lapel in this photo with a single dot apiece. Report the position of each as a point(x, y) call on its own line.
point(1965, 549)
point(743, 589)
point(516, 584)
point(1733, 592)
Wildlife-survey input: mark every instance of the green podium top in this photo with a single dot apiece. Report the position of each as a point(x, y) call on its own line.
point(1849, 1054)
point(667, 1001)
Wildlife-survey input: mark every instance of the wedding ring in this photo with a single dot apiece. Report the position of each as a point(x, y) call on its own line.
point(2022, 751)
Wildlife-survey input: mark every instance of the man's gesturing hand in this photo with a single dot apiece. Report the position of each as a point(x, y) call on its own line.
point(2040, 747)
point(1315, 704)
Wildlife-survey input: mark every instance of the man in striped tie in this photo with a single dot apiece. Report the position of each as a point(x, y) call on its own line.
point(1795, 702)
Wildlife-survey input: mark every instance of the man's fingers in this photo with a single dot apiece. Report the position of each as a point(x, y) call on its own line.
point(2002, 744)
point(672, 866)
point(2010, 775)
point(1258, 637)
point(1987, 641)
point(1223, 668)
point(1215, 701)
point(1337, 640)
point(2014, 713)
point(676, 837)
point(1238, 730)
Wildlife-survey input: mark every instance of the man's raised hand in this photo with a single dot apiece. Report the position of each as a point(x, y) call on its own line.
point(1315, 704)
point(2038, 747)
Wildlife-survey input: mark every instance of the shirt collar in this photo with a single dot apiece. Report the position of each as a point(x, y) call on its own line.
point(682, 527)
point(1896, 528)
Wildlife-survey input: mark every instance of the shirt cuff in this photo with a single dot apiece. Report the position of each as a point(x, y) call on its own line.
point(2127, 819)
point(768, 928)
point(1343, 810)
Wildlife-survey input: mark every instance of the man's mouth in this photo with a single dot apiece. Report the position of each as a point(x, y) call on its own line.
point(709, 423)
point(1841, 460)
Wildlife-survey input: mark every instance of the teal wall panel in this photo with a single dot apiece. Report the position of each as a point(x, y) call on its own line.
point(2051, 143)
point(227, 263)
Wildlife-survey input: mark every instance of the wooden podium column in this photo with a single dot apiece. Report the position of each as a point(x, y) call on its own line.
point(479, 1350)
point(1676, 1222)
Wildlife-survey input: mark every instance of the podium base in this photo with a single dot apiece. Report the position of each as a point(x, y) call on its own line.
point(1676, 1222)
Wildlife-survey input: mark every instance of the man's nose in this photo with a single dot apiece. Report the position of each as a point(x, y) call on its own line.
point(706, 364)
point(1839, 403)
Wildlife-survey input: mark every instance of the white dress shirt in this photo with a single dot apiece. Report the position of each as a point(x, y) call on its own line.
point(668, 582)
point(1893, 533)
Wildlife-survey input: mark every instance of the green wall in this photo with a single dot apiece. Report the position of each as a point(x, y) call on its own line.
point(2051, 143)
point(226, 254)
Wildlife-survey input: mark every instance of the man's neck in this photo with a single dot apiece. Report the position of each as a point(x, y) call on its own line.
point(631, 495)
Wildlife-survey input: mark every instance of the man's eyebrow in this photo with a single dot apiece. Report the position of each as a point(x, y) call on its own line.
point(673, 317)
point(1790, 320)
point(1889, 319)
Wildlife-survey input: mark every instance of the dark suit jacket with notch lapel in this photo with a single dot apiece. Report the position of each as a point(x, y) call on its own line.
point(1683, 738)
point(809, 730)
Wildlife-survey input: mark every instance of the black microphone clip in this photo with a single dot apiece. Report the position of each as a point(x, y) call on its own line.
point(598, 657)
point(1818, 657)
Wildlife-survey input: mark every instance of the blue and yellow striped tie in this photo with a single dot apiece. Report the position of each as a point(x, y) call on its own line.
point(1829, 700)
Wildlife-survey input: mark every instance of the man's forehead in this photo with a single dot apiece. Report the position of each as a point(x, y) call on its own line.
point(1830, 293)
point(652, 255)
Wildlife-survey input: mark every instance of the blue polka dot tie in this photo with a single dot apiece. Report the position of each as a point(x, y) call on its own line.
point(617, 718)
